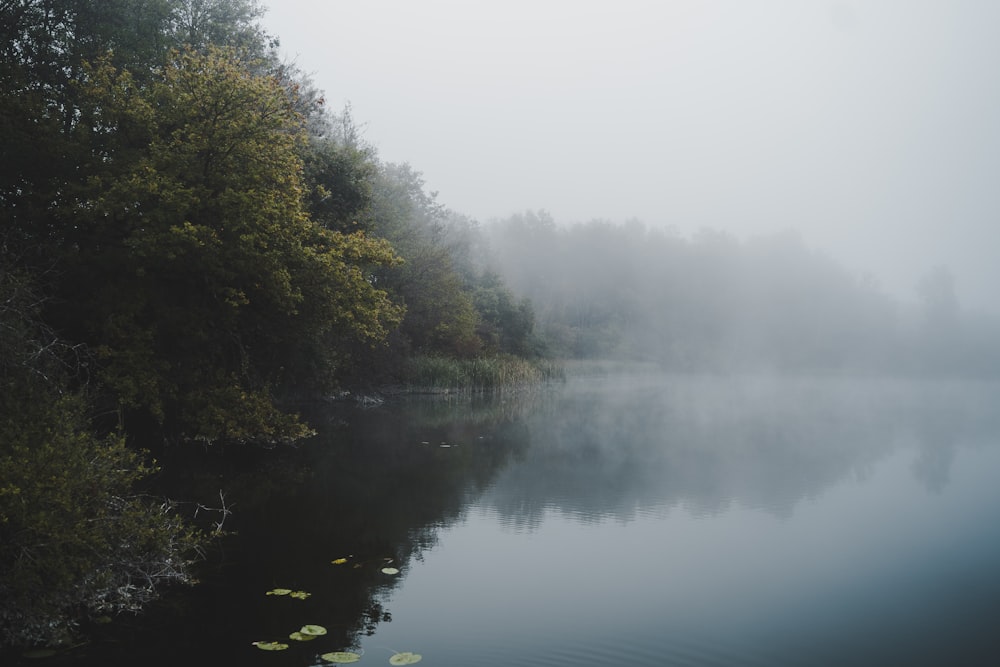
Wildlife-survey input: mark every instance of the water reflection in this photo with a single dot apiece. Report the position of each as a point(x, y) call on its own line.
point(640, 466)
point(645, 444)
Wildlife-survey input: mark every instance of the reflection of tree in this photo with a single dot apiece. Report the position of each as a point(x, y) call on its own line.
point(940, 304)
point(375, 485)
point(942, 424)
point(932, 466)
point(706, 444)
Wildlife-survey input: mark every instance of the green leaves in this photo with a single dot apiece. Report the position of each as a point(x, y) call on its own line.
point(190, 261)
point(67, 499)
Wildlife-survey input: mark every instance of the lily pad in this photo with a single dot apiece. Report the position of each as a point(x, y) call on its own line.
point(390, 570)
point(299, 595)
point(279, 591)
point(299, 637)
point(314, 630)
point(405, 658)
point(341, 657)
point(270, 646)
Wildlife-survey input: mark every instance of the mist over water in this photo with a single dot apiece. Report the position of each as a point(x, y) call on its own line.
point(627, 515)
point(628, 445)
point(727, 520)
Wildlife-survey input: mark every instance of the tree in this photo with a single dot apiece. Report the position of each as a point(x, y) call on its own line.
point(506, 324)
point(440, 315)
point(45, 46)
point(340, 171)
point(189, 262)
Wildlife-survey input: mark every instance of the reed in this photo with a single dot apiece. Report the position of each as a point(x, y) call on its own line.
point(482, 375)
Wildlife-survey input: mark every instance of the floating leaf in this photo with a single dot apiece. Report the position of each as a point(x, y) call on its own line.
point(339, 561)
point(341, 657)
point(299, 595)
point(315, 630)
point(270, 646)
point(279, 591)
point(299, 637)
point(405, 658)
point(390, 570)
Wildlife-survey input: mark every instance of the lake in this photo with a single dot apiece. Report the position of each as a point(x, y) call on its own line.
point(618, 519)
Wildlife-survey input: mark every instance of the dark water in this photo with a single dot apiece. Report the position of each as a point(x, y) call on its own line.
point(639, 520)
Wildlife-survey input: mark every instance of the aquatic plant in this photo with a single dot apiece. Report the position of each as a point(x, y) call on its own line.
point(270, 646)
point(341, 657)
point(405, 658)
point(480, 375)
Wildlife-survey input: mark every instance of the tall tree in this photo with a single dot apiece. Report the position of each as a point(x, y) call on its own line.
point(189, 261)
point(440, 315)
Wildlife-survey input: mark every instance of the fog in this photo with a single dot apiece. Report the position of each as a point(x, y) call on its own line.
point(638, 443)
point(870, 128)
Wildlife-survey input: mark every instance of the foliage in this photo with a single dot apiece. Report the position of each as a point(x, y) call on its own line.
point(339, 174)
point(506, 324)
point(440, 316)
point(75, 539)
point(454, 307)
point(190, 264)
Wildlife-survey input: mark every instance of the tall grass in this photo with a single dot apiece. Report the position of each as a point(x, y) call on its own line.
point(487, 374)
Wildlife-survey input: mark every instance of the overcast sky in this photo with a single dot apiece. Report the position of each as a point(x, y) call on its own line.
point(871, 126)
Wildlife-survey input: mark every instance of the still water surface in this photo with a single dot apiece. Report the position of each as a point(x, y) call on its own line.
point(627, 520)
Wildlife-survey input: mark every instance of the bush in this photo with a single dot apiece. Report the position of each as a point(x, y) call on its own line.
point(75, 539)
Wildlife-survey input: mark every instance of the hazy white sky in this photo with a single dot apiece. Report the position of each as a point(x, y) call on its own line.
point(871, 126)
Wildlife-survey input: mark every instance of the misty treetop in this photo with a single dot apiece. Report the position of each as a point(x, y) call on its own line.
point(713, 302)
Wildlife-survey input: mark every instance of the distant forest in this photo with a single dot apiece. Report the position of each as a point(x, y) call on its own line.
point(716, 303)
point(192, 242)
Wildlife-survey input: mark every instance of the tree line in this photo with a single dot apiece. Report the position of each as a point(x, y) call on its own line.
point(712, 302)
